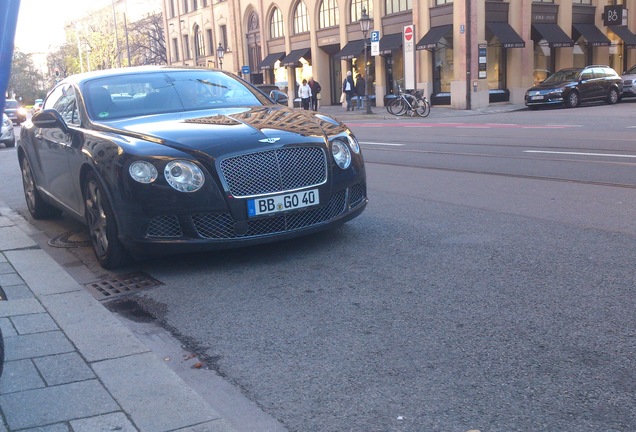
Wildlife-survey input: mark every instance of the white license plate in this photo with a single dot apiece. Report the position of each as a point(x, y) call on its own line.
point(536, 97)
point(281, 203)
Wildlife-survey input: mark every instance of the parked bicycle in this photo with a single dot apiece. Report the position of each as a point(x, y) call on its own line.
point(409, 103)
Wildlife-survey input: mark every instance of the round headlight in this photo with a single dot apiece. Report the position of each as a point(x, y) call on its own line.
point(341, 153)
point(143, 172)
point(184, 176)
point(353, 143)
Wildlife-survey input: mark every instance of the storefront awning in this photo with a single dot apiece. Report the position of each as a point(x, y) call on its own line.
point(506, 34)
point(269, 61)
point(592, 34)
point(433, 36)
point(351, 49)
point(293, 58)
point(629, 39)
point(390, 43)
point(553, 34)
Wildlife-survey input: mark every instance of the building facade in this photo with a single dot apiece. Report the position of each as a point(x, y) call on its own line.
point(463, 53)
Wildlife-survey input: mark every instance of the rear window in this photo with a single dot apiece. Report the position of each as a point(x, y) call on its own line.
point(12, 104)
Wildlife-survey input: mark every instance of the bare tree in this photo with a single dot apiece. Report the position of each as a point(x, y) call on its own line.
point(147, 41)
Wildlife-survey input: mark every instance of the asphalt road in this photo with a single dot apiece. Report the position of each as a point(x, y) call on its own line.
point(484, 287)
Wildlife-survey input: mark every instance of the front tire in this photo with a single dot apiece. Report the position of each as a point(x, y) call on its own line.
point(397, 107)
point(102, 225)
point(423, 108)
point(613, 97)
point(572, 100)
point(38, 208)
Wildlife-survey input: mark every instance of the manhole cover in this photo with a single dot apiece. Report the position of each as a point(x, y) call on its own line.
point(71, 239)
point(120, 285)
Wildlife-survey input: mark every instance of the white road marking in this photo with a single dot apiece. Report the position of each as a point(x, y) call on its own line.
point(382, 144)
point(581, 153)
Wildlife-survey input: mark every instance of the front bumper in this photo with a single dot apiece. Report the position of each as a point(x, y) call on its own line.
point(200, 231)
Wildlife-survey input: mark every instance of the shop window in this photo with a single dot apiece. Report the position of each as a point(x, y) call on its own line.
point(328, 15)
point(276, 28)
point(356, 9)
point(301, 18)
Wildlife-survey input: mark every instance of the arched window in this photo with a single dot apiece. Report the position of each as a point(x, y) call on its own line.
point(356, 9)
point(276, 28)
point(394, 6)
point(328, 15)
point(301, 18)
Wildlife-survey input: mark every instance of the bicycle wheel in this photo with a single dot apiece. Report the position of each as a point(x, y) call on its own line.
point(423, 107)
point(397, 107)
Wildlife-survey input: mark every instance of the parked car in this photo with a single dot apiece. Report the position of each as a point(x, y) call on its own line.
point(16, 112)
point(7, 134)
point(202, 161)
point(629, 82)
point(570, 87)
point(274, 92)
point(37, 106)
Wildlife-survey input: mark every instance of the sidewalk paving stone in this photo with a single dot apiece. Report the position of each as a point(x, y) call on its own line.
point(20, 375)
point(36, 345)
point(107, 422)
point(146, 375)
point(96, 333)
point(20, 307)
point(50, 405)
point(33, 323)
point(63, 368)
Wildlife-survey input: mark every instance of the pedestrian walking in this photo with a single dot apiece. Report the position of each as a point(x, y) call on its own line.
point(360, 91)
point(315, 93)
point(349, 89)
point(304, 93)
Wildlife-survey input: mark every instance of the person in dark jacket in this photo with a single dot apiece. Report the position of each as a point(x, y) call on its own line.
point(315, 93)
point(349, 89)
point(360, 88)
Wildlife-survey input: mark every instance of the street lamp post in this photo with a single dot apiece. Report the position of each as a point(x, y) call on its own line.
point(365, 23)
point(219, 54)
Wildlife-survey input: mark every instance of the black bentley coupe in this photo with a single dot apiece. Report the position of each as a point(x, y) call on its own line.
point(161, 160)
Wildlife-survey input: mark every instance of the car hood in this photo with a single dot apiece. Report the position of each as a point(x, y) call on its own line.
point(549, 86)
point(235, 129)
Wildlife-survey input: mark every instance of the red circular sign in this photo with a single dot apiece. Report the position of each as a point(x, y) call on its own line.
point(408, 34)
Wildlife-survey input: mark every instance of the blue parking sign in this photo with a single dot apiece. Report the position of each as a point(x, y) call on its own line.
point(245, 70)
point(375, 36)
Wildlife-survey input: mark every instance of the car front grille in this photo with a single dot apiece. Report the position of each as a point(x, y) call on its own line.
point(274, 171)
point(164, 226)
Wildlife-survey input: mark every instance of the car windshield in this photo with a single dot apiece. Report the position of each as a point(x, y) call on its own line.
point(11, 104)
point(562, 76)
point(632, 70)
point(133, 95)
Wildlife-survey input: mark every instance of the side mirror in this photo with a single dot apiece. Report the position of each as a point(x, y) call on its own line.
point(49, 118)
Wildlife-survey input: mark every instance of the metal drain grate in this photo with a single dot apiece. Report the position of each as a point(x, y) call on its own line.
point(120, 285)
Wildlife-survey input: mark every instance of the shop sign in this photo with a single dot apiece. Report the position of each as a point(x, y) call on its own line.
point(482, 50)
point(613, 15)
